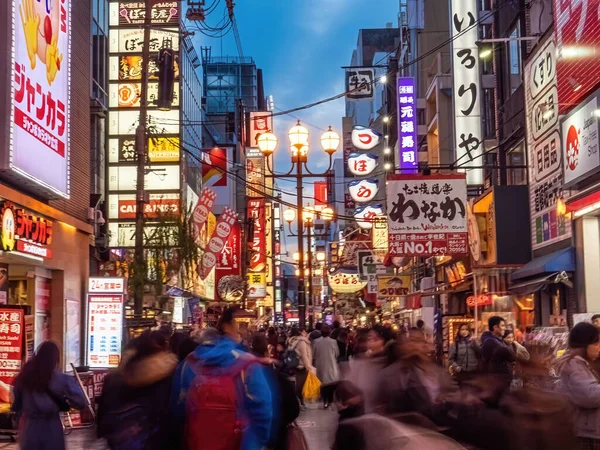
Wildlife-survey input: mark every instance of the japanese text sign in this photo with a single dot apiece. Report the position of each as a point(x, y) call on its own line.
point(467, 87)
point(257, 285)
point(134, 13)
point(346, 283)
point(548, 221)
point(365, 215)
point(202, 209)
point(364, 138)
point(360, 84)
point(255, 176)
point(256, 214)
point(427, 215)
point(407, 124)
point(392, 286)
point(228, 262)
point(39, 117)
point(577, 35)
point(105, 330)
point(106, 285)
point(363, 191)
point(361, 163)
point(11, 343)
point(217, 242)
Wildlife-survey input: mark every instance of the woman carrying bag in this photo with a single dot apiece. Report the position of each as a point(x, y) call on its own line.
point(464, 355)
point(41, 392)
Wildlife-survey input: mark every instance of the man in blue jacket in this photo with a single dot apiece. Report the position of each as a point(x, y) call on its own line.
point(255, 407)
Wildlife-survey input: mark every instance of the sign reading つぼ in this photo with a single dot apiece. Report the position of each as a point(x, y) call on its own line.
point(40, 98)
point(427, 215)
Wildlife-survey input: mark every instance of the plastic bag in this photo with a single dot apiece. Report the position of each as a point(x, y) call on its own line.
point(312, 388)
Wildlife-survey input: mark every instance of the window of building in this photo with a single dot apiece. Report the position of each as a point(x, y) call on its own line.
point(516, 173)
point(99, 50)
point(514, 58)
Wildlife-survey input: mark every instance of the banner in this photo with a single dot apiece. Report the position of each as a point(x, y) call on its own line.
point(202, 209)
point(320, 195)
point(217, 241)
point(11, 343)
point(257, 246)
point(427, 215)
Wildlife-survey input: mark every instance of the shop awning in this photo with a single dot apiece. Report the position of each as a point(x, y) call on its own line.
point(561, 261)
point(537, 284)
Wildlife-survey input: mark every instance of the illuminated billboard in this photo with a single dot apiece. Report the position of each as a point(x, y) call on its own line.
point(40, 95)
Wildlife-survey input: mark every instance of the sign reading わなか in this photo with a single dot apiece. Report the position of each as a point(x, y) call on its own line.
point(427, 215)
point(39, 117)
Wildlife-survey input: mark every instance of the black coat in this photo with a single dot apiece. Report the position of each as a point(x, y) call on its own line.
point(496, 356)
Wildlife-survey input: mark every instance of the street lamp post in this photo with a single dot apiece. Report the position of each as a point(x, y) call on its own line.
point(298, 136)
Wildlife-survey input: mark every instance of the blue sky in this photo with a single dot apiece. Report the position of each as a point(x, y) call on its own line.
point(301, 46)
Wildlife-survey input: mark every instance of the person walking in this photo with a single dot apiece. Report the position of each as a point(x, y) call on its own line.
point(301, 345)
point(497, 357)
point(41, 391)
point(581, 384)
point(464, 355)
point(520, 352)
point(326, 352)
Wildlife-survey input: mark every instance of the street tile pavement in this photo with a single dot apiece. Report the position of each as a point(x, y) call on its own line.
point(319, 427)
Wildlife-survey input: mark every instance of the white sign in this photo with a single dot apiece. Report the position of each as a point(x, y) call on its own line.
point(132, 40)
point(40, 93)
point(126, 122)
point(364, 138)
point(365, 216)
point(362, 163)
point(158, 178)
point(427, 215)
point(467, 90)
point(101, 285)
point(105, 330)
point(122, 234)
point(548, 223)
point(178, 305)
point(360, 84)
point(363, 191)
point(580, 142)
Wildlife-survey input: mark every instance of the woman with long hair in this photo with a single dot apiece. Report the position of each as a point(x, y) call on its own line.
point(464, 355)
point(581, 384)
point(41, 391)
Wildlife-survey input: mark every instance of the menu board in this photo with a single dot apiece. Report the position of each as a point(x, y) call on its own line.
point(11, 343)
point(105, 330)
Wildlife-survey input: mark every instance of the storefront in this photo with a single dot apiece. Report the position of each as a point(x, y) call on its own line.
point(44, 267)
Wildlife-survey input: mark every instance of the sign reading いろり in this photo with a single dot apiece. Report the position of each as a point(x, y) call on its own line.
point(25, 232)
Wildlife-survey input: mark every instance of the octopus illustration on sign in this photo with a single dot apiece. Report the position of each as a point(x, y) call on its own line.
point(364, 138)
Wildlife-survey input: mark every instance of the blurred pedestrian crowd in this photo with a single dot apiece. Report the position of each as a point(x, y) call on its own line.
point(221, 390)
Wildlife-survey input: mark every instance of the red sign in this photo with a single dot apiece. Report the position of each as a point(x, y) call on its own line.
point(228, 262)
point(257, 244)
point(33, 249)
point(152, 210)
point(43, 290)
point(11, 343)
point(577, 32)
point(214, 167)
point(320, 193)
point(479, 300)
point(217, 242)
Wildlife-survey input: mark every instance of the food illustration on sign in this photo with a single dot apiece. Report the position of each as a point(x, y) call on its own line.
point(572, 147)
point(41, 25)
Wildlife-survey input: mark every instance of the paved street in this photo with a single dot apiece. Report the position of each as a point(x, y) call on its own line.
point(319, 428)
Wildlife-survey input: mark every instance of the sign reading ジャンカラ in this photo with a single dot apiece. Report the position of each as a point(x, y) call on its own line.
point(39, 114)
point(427, 215)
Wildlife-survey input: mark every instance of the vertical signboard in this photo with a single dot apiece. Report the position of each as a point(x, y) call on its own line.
point(467, 88)
point(427, 215)
point(105, 322)
point(11, 343)
point(40, 94)
point(577, 34)
point(407, 124)
point(260, 122)
point(546, 179)
point(257, 266)
point(255, 173)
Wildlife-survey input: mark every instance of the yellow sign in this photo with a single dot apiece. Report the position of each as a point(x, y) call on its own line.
point(163, 149)
point(392, 286)
point(257, 285)
point(380, 233)
point(207, 230)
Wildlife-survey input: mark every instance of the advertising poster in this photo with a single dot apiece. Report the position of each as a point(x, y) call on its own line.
point(40, 93)
point(11, 344)
point(255, 176)
point(105, 330)
point(427, 215)
point(43, 291)
point(73, 332)
point(257, 285)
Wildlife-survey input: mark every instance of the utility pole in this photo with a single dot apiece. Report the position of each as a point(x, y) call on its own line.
point(141, 141)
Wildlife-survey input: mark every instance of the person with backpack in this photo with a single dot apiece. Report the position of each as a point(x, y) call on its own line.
point(228, 400)
point(300, 345)
point(41, 391)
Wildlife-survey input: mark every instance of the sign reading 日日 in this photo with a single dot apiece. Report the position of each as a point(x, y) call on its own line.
point(40, 98)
